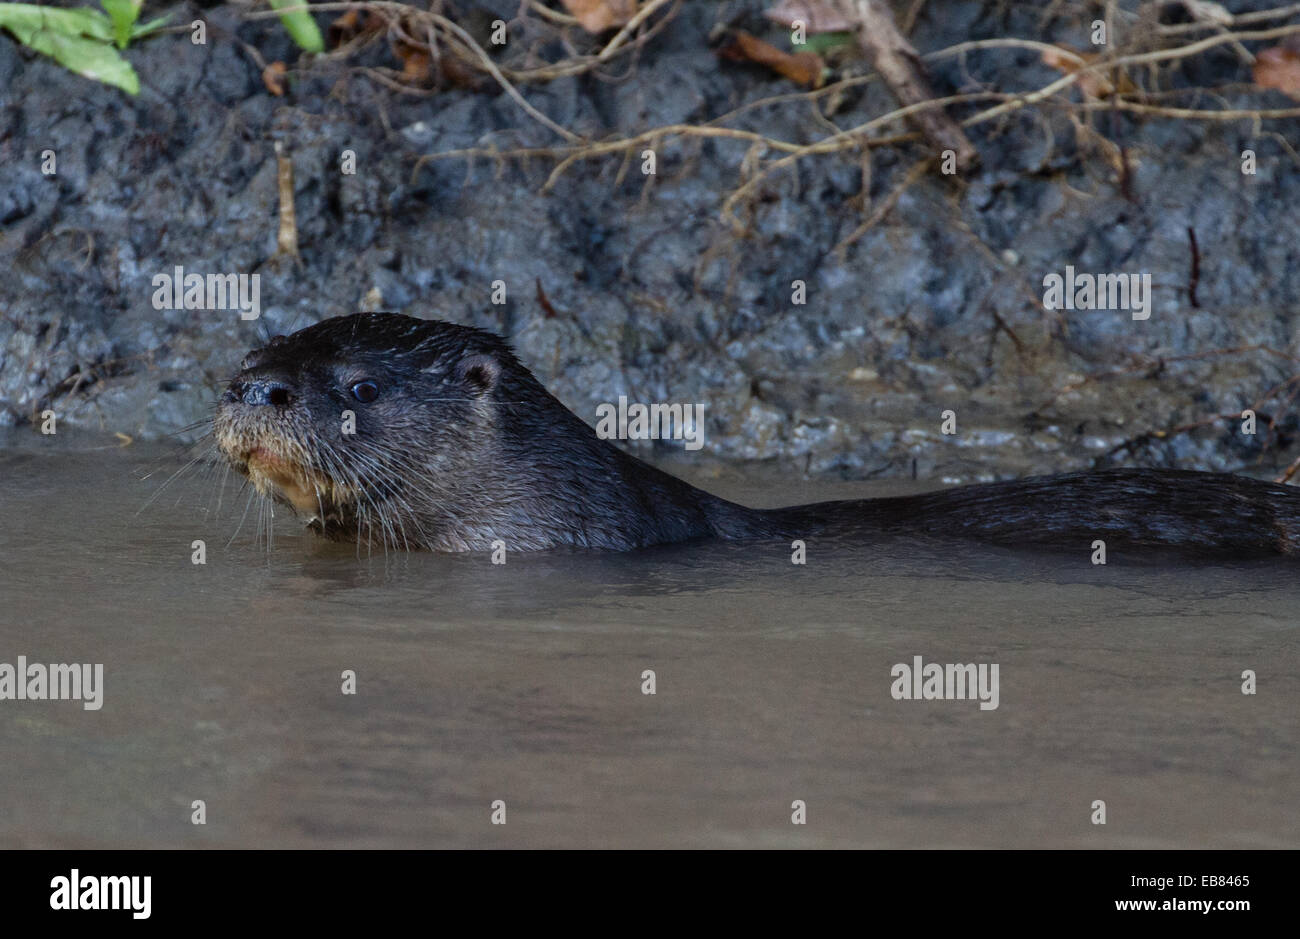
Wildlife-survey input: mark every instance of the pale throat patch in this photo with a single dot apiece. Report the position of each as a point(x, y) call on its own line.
point(270, 473)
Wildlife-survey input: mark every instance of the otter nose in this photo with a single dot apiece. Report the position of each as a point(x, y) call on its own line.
point(260, 391)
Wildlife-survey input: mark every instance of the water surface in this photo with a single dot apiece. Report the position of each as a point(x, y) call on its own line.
point(522, 683)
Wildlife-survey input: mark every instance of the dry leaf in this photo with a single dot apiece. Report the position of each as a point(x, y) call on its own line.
point(350, 25)
point(273, 78)
point(418, 68)
point(819, 16)
point(1093, 84)
point(415, 63)
point(805, 68)
point(1279, 68)
point(455, 72)
point(596, 16)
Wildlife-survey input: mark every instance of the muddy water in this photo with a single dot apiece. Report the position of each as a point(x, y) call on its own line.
point(523, 683)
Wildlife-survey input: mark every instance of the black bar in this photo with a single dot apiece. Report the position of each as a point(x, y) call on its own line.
point(217, 888)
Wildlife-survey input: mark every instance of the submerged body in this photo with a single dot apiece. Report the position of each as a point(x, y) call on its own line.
point(411, 433)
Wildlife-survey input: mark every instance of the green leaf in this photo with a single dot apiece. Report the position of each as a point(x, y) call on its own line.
point(88, 57)
point(25, 20)
point(79, 40)
point(300, 25)
point(123, 13)
point(822, 42)
point(145, 29)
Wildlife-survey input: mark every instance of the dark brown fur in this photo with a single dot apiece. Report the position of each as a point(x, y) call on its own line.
point(463, 447)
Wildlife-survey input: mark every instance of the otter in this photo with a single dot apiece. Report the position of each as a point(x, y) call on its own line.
point(409, 433)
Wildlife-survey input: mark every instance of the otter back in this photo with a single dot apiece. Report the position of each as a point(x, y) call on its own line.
point(409, 433)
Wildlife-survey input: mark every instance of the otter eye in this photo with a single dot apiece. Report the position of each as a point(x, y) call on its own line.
point(365, 391)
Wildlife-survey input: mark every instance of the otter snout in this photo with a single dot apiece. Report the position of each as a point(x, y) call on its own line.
point(258, 391)
point(257, 413)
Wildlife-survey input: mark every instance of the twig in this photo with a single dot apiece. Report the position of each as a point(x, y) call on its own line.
point(916, 172)
point(902, 70)
point(1290, 471)
point(286, 237)
point(491, 68)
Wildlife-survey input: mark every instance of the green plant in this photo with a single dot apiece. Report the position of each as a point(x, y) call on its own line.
point(82, 39)
point(301, 28)
point(124, 13)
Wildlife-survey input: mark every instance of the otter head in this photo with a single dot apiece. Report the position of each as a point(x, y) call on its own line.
point(367, 423)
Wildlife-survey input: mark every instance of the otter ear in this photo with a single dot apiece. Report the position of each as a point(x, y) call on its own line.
point(479, 373)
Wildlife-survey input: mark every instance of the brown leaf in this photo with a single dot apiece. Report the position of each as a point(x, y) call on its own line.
point(1092, 84)
point(416, 68)
point(419, 68)
point(596, 16)
point(1279, 68)
point(455, 72)
point(820, 16)
point(804, 68)
point(273, 78)
point(350, 25)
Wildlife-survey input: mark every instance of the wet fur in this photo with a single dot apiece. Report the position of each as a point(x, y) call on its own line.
point(464, 447)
